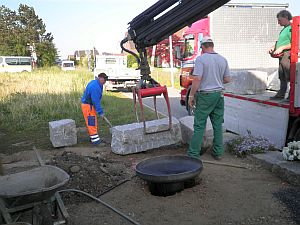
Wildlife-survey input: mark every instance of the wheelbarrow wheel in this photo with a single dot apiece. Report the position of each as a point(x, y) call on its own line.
point(42, 215)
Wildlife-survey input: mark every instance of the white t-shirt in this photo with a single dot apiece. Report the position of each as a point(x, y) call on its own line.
point(212, 67)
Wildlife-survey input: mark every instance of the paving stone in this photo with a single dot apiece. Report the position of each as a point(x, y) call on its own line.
point(130, 138)
point(63, 133)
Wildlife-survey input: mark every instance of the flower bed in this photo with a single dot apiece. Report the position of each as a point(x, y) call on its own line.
point(245, 145)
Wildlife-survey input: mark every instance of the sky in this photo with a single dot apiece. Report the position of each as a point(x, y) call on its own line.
point(84, 24)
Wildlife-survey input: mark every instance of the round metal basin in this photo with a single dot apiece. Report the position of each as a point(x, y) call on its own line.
point(167, 175)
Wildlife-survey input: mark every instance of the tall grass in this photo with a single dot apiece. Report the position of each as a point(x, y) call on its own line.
point(29, 101)
point(163, 76)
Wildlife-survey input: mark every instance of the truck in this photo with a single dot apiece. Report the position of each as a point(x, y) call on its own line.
point(248, 110)
point(279, 121)
point(115, 67)
point(238, 35)
point(67, 65)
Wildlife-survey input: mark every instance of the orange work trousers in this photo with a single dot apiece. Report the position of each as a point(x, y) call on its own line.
point(90, 117)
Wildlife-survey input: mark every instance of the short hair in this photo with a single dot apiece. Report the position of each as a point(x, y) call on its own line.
point(208, 44)
point(102, 75)
point(284, 14)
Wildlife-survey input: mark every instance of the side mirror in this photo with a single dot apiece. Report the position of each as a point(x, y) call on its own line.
point(178, 53)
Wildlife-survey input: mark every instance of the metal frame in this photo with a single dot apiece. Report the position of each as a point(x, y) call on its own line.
point(149, 92)
point(295, 112)
point(7, 210)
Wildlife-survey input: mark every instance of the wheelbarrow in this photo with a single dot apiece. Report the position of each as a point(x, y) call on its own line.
point(34, 189)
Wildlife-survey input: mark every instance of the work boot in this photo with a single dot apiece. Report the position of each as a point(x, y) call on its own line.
point(278, 96)
point(216, 157)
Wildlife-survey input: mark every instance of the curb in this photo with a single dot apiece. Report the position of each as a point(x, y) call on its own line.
point(286, 170)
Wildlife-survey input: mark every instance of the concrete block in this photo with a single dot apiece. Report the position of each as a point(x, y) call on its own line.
point(187, 130)
point(248, 82)
point(130, 138)
point(63, 133)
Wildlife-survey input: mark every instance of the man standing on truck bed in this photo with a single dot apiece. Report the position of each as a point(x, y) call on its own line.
point(91, 104)
point(210, 73)
point(281, 50)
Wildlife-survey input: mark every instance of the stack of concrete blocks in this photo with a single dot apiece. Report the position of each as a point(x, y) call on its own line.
point(63, 133)
point(130, 138)
point(187, 130)
point(247, 82)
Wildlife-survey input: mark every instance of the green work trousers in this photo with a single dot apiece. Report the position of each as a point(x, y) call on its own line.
point(212, 105)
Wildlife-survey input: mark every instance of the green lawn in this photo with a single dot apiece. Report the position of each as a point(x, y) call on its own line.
point(29, 101)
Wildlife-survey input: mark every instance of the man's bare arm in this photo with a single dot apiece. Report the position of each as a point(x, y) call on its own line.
point(226, 80)
point(282, 48)
point(195, 85)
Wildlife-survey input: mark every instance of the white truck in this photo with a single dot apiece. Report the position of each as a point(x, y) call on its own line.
point(67, 65)
point(115, 67)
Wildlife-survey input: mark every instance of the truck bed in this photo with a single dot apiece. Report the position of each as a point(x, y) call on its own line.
point(258, 115)
point(263, 98)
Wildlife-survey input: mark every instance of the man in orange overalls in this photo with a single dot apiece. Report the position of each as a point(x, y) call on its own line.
point(91, 105)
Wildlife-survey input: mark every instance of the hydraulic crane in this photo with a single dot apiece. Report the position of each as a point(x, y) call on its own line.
point(153, 25)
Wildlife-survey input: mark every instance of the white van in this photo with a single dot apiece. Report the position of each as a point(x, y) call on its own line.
point(15, 64)
point(67, 65)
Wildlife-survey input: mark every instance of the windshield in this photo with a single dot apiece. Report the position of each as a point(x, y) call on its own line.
point(189, 44)
point(68, 64)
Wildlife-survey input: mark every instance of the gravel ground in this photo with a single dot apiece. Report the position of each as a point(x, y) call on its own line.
point(222, 195)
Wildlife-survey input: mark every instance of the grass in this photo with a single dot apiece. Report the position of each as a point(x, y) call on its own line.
point(29, 101)
point(163, 76)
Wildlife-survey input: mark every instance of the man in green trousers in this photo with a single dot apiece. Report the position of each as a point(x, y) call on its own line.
point(210, 73)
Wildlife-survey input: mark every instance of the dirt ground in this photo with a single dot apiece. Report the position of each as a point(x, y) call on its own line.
point(222, 195)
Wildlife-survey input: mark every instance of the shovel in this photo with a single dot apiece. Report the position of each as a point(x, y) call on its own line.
point(108, 123)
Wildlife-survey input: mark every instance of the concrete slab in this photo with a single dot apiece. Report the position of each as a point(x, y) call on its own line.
point(287, 170)
point(187, 130)
point(63, 133)
point(130, 138)
point(247, 82)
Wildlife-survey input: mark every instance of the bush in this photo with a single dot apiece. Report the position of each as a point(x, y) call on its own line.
point(292, 151)
point(131, 61)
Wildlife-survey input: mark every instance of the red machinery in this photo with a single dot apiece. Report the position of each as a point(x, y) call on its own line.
point(153, 25)
point(149, 92)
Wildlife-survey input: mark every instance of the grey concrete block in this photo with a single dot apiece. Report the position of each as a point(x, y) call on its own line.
point(63, 133)
point(248, 82)
point(130, 138)
point(187, 130)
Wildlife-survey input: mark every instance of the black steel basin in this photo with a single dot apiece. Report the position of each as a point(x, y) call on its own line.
point(167, 175)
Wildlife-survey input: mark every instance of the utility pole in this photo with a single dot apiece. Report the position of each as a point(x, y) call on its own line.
point(171, 61)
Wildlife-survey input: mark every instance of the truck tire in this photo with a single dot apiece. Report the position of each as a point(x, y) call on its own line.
point(297, 135)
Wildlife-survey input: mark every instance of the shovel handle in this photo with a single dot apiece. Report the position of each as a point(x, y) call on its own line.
point(107, 121)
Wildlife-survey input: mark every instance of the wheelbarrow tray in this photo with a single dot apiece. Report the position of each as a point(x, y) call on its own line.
point(33, 185)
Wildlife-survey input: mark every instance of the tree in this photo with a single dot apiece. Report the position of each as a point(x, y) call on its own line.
point(162, 52)
point(21, 29)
